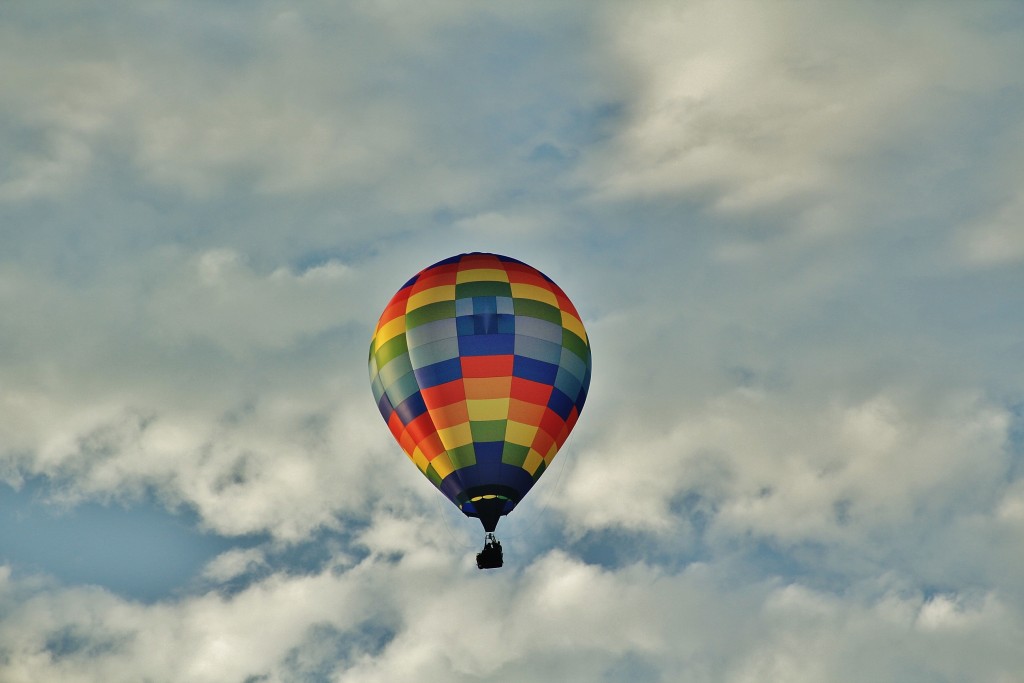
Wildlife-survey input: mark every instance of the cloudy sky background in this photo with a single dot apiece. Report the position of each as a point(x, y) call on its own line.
point(795, 232)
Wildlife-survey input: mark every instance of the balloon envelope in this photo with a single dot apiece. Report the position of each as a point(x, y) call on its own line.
point(480, 366)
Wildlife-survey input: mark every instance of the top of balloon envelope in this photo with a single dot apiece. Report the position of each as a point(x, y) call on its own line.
point(480, 366)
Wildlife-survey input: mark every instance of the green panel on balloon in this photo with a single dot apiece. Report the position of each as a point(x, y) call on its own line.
point(433, 476)
point(537, 309)
point(463, 456)
point(575, 344)
point(429, 313)
point(390, 350)
point(488, 430)
point(514, 454)
point(467, 290)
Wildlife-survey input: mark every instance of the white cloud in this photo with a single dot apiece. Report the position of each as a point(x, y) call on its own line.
point(806, 416)
point(557, 619)
point(284, 467)
point(197, 145)
point(996, 240)
point(130, 384)
point(751, 107)
point(49, 171)
point(309, 114)
point(217, 297)
point(793, 471)
point(233, 563)
point(67, 106)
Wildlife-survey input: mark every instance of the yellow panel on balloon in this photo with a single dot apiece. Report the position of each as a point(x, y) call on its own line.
point(487, 409)
point(442, 465)
point(390, 330)
point(481, 275)
point(533, 461)
point(420, 459)
point(519, 433)
point(573, 324)
point(521, 290)
point(456, 436)
point(431, 296)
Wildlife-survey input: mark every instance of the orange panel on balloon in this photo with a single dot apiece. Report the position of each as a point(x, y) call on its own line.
point(407, 442)
point(525, 412)
point(431, 446)
point(450, 415)
point(488, 387)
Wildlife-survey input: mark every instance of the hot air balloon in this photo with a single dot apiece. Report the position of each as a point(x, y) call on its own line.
point(480, 366)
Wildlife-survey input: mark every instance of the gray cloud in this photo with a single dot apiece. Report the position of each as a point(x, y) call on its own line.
point(565, 619)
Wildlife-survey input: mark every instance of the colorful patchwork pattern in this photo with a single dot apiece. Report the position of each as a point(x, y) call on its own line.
point(480, 366)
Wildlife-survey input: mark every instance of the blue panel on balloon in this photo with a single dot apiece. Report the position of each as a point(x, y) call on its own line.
point(560, 403)
point(567, 383)
point(451, 487)
point(506, 323)
point(488, 457)
point(411, 408)
point(515, 477)
point(385, 407)
point(485, 304)
point(488, 345)
point(485, 323)
point(488, 451)
point(534, 370)
point(465, 325)
point(439, 373)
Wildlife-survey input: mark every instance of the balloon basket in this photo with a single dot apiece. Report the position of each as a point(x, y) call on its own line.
point(490, 557)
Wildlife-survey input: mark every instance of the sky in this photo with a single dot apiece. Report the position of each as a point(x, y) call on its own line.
point(795, 234)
